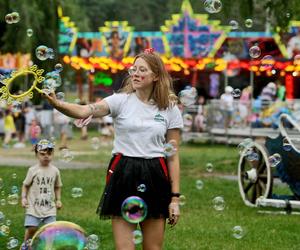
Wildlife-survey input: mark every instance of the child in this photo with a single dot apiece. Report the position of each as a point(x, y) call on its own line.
point(34, 131)
point(41, 191)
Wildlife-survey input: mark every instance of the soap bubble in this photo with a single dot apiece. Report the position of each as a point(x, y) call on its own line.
point(58, 67)
point(137, 237)
point(141, 188)
point(218, 203)
point(1, 183)
point(95, 143)
point(209, 167)
point(236, 93)
point(134, 209)
point(213, 6)
point(254, 51)
point(29, 32)
point(248, 23)
point(182, 200)
point(59, 235)
point(274, 159)
point(187, 122)
point(9, 19)
point(237, 232)
point(169, 149)
point(188, 96)
point(60, 96)
point(2, 202)
point(199, 184)
point(14, 190)
point(286, 145)
point(8, 222)
point(234, 24)
point(13, 199)
point(244, 145)
point(92, 242)
point(41, 52)
point(4, 230)
point(2, 218)
point(66, 155)
point(50, 53)
point(76, 192)
point(267, 62)
point(15, 17)
point(16, 107)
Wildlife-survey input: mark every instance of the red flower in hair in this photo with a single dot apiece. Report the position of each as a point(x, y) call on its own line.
point(149, 51)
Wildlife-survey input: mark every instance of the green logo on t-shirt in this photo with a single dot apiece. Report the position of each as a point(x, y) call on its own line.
point(159, 118)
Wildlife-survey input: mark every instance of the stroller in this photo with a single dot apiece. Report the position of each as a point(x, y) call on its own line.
point(277, 158)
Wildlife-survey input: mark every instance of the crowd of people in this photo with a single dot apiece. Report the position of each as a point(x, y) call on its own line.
point(26, 123)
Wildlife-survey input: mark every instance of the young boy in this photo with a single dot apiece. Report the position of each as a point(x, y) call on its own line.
point(41, 191)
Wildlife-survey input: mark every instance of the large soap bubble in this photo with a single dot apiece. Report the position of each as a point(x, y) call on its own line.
point(59, 235)
point(134, 209)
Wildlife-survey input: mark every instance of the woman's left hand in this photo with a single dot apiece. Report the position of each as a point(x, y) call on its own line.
point(174, 213)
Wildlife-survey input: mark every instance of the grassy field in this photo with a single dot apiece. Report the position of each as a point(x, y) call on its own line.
point(200, 226)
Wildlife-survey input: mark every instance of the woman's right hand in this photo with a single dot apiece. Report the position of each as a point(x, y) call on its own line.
point(51, 97)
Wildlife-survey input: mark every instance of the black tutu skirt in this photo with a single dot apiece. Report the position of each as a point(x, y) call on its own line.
point(133, 176)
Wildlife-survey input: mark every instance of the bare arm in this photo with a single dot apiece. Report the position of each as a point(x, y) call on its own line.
point(98, 109)
point(173, 136)
point(57, 191)
point(173, 161)
point(24, 195)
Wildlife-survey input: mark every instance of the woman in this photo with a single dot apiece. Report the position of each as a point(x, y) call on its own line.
point(145, 118)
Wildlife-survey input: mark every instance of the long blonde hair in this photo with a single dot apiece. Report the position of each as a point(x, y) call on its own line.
point(162, 94)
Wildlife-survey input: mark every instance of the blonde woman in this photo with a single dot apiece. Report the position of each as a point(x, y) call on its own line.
point(145, 117)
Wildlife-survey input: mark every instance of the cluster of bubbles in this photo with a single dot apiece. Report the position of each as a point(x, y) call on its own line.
point(66, 155)
point(188, 96)
point(12, 243)
point(60, 96)
point(169, 149)
point(76, 192)
point(134, 209)
point(137, 237)
point(43, 53)
point(13, 17)
point(95, 143)
point(4, 225)
point(52, 81)
point(92, 242)
point(213, 6)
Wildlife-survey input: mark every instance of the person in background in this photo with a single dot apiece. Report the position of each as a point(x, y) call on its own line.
point(61, 123)
point(226, 100)
point(9, 128)
point(34, 132)
point(281, 91)
point(41, 191)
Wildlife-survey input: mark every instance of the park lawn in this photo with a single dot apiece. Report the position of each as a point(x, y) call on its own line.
point(200, 226)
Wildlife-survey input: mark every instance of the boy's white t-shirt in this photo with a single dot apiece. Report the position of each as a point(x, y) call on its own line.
point(140, 128)
point(41, 194)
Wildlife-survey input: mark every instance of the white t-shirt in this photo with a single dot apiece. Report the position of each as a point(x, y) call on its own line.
point(226, 102)
point(41, 195)
point(140, 128)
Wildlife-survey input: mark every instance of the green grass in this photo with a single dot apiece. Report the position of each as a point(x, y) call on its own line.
point(200, 226)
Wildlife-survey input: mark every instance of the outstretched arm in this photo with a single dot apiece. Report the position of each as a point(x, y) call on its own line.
point(98, 109)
